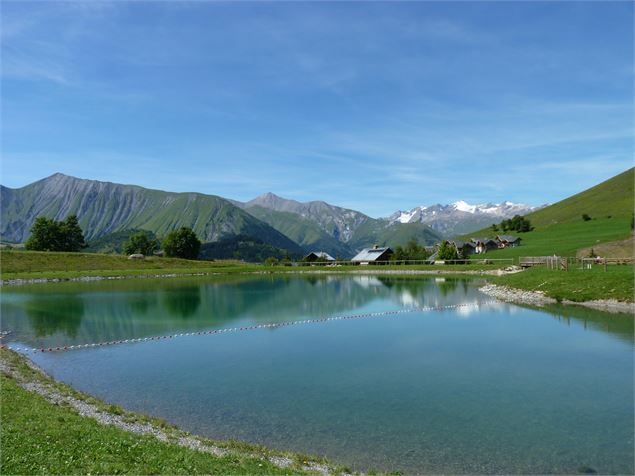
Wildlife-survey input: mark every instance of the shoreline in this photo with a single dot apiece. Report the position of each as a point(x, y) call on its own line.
point(538, 298)
point(30, 377)
point(89, 278)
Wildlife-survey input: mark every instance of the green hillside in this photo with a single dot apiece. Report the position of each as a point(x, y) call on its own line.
point(246, 248)
point(612, 197)
point(378, 232)
point(104, 208)
point(560, 229)
point(112, 242)
point(305, 232)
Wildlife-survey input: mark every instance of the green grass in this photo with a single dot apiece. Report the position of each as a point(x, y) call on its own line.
point(612, 197)
point(50, 265)
point(559, 228)
point(563, 239)
point(42, 264)
point(575, 285)
point(39, 437)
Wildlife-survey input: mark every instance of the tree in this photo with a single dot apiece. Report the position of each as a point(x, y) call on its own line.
point(412, 251)
point(585, 217)
point(72, 237)
point(141, 242)
point(45, 235)
point(494, 228)
point(51, 235)
point(182, 243)
point(447, 251)
point(517, 223)
point(271, 261)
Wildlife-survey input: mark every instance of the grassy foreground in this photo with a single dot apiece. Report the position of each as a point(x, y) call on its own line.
point(39, 437)
point(44, 264)
point(575, 285)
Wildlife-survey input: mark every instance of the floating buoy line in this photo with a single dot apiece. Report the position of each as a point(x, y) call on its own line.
point(247, 328)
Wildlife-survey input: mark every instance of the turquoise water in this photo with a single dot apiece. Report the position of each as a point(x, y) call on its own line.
point(494, 388)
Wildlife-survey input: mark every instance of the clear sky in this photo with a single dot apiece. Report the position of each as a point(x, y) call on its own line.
point(373, 106)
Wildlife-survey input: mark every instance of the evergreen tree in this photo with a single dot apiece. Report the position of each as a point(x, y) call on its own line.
point(72, 237)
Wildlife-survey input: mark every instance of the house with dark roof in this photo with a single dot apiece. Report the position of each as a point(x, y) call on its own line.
point(463, 246)
point(508, 241)
point(483, 245)
point(318, 255)
point(374, 255)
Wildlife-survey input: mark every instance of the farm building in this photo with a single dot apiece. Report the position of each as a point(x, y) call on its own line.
point(375, 254)
point(318, 255)
point(461, 246)
point(483, 245)
point(508, 241)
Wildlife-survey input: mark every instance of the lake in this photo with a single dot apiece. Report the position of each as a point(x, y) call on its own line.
point(483, 388)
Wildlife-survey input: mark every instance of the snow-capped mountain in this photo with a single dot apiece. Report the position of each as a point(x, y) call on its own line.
point(461, 217)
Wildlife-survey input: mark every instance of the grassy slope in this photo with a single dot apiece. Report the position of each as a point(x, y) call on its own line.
point(560, 229)
point(576, 285)
point(611, 197)
point(117, 207)
point(377, 232)
point(301, 230)
point(49, 264)
point(617, 249)
point(41, 264)
point(39, 437)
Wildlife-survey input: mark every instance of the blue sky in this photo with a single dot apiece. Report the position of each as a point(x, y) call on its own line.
point(373, 106)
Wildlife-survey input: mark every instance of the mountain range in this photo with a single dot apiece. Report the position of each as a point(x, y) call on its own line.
point(460, 217)
point(270, 225)
point(106, 208)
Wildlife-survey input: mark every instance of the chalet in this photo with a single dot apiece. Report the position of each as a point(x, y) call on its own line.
point(461, 246)
point(318, 255)
point(373, 255)
point(507, 241)
point(483, 245)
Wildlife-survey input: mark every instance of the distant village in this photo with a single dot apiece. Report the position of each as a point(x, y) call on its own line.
point(461, 249)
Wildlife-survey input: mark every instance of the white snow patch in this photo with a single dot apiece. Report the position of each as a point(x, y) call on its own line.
point(464, 206)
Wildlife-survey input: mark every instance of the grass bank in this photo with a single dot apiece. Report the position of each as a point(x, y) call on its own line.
point(562, 239)
point(575, 285)
point(54, 265)
point(47, 436)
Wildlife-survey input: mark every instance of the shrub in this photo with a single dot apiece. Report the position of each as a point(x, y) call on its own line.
point(271, 261)
point(585, 217)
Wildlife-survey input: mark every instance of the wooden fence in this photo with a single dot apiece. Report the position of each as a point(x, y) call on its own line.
point(564, 263)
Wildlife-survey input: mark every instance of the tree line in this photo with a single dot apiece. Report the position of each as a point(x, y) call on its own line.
point(48, 234)
point(517, 223)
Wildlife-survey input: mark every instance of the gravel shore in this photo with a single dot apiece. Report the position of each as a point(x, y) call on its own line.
point(123, 421)
point(538, 298)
